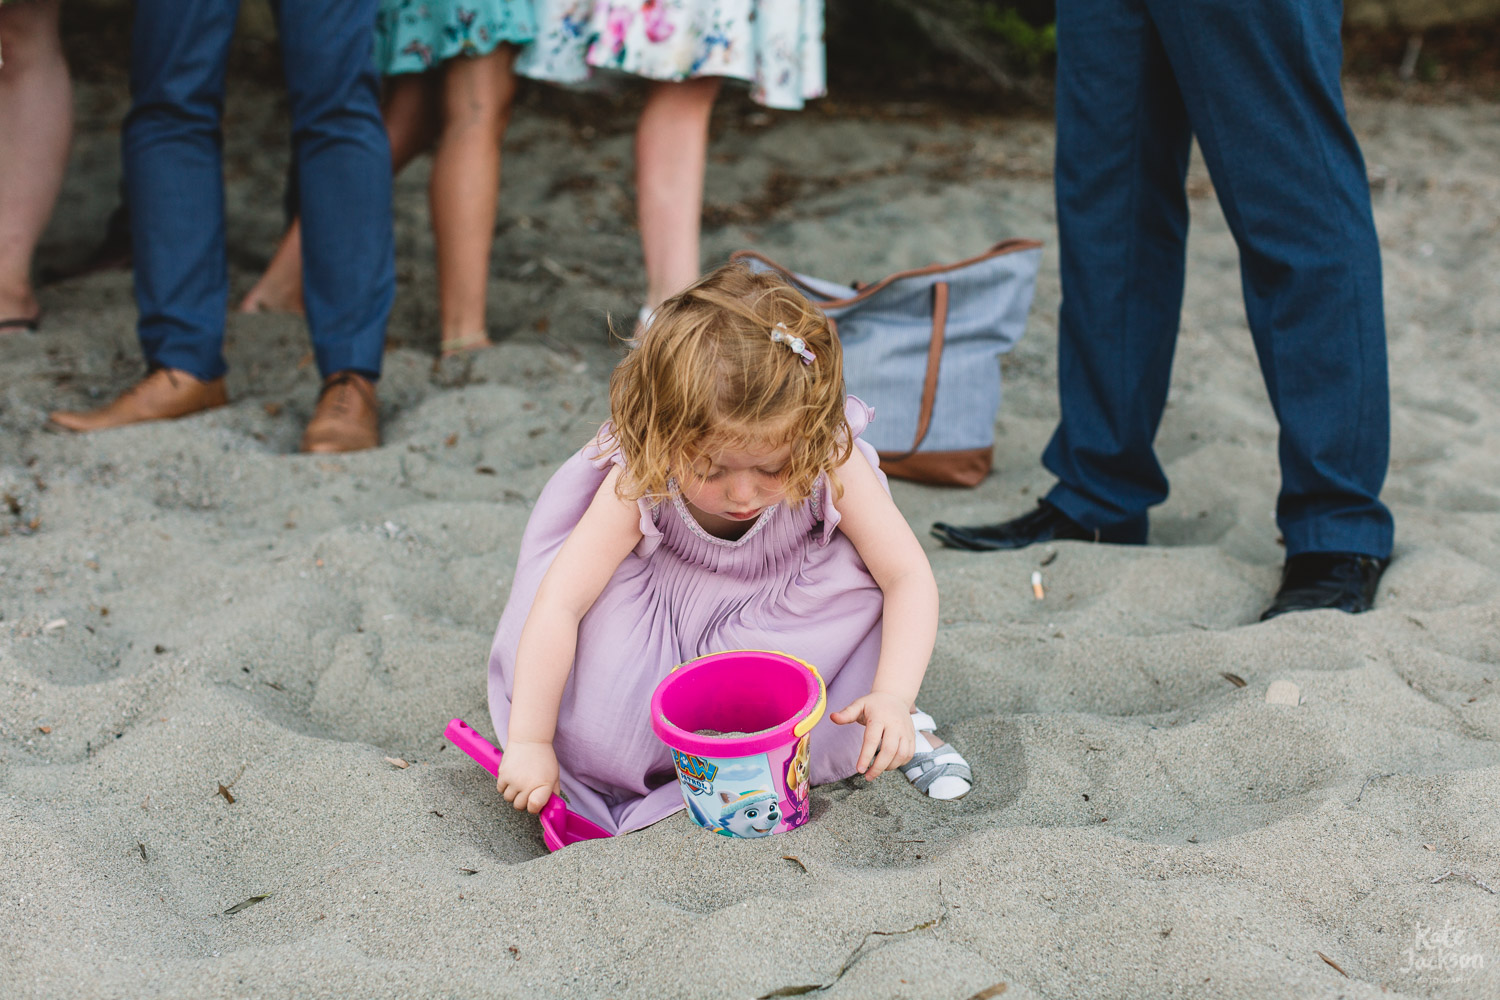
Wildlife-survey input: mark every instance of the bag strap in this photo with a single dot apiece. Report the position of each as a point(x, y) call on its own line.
point(865, 291)
point(934, 362)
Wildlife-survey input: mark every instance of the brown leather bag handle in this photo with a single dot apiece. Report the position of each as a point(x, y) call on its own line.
point(934, 362)
point(865, 291)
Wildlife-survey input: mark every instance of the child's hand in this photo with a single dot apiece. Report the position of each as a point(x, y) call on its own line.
point(528, 775)
point(888, 730)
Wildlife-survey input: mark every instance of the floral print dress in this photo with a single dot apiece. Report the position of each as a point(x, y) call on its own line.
point(413, 36)
point(776, 46)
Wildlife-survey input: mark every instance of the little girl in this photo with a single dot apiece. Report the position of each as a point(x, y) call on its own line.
point(684, 48)
point(449, 83)
point(729, 504)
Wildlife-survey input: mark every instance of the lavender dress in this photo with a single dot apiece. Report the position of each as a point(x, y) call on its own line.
point(790, 583)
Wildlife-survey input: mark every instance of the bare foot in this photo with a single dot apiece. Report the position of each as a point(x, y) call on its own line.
point(280, 287)
point(463, 344)
point(266, 296)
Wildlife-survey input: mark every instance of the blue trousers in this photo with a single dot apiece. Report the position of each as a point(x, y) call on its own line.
point(175, 184)
point(1257, 81)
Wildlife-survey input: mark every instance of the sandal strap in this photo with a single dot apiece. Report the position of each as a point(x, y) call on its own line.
point(922, 722)
point(942, 761)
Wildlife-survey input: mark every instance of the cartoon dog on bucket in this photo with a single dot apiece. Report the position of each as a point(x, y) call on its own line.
point(750, 814)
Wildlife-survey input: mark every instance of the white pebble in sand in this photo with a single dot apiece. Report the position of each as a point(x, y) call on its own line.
point(1283, 693)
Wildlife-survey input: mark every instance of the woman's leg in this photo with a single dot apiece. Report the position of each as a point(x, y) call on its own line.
point(409, 110)
point(464, 192)
point(671, 151)
point(279, 288)
point(36, 127)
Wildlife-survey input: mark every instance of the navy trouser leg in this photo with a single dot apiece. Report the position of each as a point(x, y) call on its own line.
point(1122, 154)
point(343, 167)
point(1261, 85)
point(174, 180)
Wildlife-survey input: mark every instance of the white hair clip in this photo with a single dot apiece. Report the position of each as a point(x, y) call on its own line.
point(798, 346)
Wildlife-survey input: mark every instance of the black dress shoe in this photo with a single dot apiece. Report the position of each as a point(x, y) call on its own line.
point(1314, 580)
point(1045, 524)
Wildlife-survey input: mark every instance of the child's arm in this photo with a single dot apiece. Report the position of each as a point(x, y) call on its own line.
point(604, 536)
point(908, 627)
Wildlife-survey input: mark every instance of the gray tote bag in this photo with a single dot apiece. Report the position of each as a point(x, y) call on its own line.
point(923, 348)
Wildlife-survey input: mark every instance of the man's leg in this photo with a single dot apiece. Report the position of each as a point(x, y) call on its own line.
point(343, 175)
point(1122, 154)
point(174, 180)
point(1262, 89)
point(175, 189)
point(343, 163)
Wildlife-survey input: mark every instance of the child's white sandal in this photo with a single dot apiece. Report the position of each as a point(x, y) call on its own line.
point(939, 772)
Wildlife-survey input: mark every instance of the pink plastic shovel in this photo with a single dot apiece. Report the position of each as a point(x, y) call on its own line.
point(560, 826)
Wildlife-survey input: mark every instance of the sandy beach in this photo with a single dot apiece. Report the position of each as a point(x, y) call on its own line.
point(210, 646)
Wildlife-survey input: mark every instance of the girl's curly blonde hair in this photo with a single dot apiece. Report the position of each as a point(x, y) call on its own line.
point(706, 376)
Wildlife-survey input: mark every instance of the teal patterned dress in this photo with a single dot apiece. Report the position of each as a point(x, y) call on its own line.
point(413, 36)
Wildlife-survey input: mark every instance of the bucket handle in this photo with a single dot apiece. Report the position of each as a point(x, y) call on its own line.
point(801, 729)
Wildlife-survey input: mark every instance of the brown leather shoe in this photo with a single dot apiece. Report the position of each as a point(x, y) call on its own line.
point(164, 394)
point(347, 417)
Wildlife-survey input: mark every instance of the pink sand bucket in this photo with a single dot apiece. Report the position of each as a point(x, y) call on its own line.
point(737, 726)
